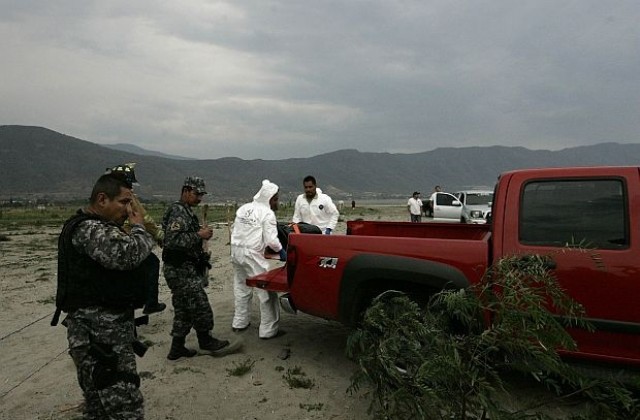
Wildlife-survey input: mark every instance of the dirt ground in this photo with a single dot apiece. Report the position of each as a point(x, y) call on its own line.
point(38, 377)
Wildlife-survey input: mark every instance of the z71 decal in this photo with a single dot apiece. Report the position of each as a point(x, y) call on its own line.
point(328, 262)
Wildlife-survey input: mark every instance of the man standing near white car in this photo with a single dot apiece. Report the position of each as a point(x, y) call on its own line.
point(414, 205)
point(432, 201)
point(254, 229)
point(315, 208)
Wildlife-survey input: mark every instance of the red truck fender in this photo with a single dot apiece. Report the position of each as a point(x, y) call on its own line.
point(369, 275)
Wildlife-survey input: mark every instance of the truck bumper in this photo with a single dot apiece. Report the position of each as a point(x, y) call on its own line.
point(273, 280)
point(478, 221)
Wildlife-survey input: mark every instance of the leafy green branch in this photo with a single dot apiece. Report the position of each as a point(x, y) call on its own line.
point(448, 360)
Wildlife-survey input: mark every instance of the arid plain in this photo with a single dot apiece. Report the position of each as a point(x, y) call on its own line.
point(38, 377)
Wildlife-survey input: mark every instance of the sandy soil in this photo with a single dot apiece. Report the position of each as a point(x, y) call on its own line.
point(38, 377)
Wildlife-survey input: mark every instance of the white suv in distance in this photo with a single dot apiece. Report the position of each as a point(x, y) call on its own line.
point(476, 205)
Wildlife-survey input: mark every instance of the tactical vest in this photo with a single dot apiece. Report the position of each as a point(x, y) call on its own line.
point(83, 282)
point(178, 256)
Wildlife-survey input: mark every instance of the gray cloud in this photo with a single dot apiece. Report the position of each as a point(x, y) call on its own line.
point(273, 79)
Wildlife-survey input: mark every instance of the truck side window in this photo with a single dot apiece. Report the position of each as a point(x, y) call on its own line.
point(591, 213)
point(444, 199)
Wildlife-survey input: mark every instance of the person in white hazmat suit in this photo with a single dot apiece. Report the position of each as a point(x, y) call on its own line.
point(254, 229)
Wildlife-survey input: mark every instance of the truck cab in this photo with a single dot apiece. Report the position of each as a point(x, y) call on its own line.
point(586, 220)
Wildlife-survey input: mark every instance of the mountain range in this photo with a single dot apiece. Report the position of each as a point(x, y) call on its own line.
point(36, 162)
point(132, 148)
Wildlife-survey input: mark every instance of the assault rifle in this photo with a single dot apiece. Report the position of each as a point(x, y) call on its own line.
point(205, 247)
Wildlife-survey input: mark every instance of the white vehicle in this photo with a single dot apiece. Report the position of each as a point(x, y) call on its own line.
point(446, 207)
point(476, 205)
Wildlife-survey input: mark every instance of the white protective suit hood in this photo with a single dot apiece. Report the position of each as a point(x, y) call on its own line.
point(268, 190)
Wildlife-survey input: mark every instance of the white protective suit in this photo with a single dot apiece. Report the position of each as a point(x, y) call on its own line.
point(320, 211)
point(254, 229)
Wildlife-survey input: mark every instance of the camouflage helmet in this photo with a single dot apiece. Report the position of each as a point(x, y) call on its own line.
point(125, 170)
point(196, 183)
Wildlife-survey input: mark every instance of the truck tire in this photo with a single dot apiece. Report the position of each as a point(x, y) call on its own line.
point(370, 275)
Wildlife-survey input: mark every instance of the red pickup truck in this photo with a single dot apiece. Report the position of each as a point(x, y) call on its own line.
point(539, 211)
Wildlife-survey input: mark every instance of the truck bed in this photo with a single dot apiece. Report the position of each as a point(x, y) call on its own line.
point(323, 265)
point(418, 230)
point(465, 244)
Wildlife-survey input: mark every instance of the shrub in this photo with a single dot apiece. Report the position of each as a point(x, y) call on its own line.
point(241, 368)
point(296, 378)
point(448, 361)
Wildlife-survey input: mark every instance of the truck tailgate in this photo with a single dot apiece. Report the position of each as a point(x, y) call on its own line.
point(273, 280)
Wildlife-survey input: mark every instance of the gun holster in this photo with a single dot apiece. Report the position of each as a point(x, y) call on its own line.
point(202, 265)
point(106, 373)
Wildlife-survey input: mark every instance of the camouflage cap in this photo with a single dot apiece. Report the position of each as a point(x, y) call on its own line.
point(196, 183)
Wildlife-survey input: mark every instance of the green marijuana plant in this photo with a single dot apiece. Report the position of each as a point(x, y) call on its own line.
point(448, 359)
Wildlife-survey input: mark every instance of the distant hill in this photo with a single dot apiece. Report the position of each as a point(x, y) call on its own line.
point(38, 162)
point(132, 148)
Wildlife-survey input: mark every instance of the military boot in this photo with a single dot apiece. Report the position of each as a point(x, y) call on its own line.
point(209, 343)
point(178, 349)
point(152, 308)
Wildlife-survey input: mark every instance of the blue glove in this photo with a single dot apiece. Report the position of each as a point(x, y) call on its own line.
point(327, 231)
point(283, 254)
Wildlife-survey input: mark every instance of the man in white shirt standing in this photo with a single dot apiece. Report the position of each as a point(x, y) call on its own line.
point(414, 205)
point(432, 201)
point(315, 208)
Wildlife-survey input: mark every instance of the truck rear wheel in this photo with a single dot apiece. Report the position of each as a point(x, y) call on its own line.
point(420, 297)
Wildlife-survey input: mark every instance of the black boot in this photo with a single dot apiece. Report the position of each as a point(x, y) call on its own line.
point(178, 349)
point(152, 308)
point(210, 343)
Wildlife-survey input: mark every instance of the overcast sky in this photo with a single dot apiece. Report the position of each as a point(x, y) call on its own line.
point(272, 79)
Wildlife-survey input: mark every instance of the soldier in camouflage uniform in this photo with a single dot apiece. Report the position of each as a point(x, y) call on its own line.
point(185, 265)
point(99, 288)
